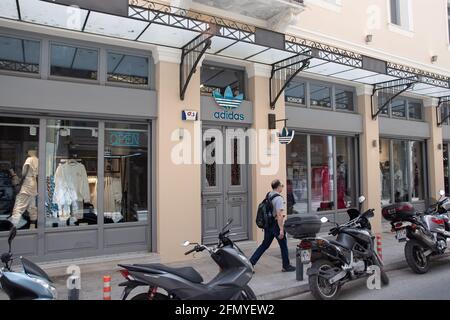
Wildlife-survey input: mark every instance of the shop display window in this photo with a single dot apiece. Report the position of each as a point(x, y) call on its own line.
point(295, 92)
point(322, 171)
point(19, 55)
point(219, 78)
point(297, 175)
point(385, 171)
point(19, 169)
point(71, 173)
point(400, 161)
point(402, 171)
point(320, 95)
point(446, 169)
point(128, 69)
point(126, 173)
point(416, 169)
point(345, 173)
point(330, 162)
point(74, 62)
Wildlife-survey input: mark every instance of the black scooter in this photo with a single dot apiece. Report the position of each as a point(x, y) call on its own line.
point(187, 284)
point(32, 284)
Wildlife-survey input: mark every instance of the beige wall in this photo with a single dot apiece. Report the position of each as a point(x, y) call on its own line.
point(370, 159)
point(259, 94)
point(178, 188)
point(352, 21)
point(434, 153)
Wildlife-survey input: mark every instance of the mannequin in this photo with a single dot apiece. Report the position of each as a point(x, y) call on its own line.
point(26, 199)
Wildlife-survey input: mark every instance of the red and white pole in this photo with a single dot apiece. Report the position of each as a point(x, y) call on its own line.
point(379, 247)
point(106, 287)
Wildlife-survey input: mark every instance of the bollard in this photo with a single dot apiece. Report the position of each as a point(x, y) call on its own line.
point(379, 248)
point(106, 287)
point(298, 266)
point(73, 291)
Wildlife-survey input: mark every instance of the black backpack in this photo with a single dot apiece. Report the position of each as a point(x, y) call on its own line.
point(264, 215)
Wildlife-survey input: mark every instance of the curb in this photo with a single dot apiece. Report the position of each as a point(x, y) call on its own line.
point(304, 287)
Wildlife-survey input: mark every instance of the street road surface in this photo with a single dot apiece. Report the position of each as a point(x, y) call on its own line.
point(404, 285)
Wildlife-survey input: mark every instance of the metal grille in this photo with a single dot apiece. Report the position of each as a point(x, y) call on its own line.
point(190, 57)
point(124, 78)
point(283, 72)
point(19, 66)
point(188, 19)
point(401, 71)
point(324, 52)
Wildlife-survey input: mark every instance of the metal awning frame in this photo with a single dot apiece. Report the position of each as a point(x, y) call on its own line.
point(201, 23)
point(402, 85)
point(442, 101)
point(191, 56)
point(280, 75)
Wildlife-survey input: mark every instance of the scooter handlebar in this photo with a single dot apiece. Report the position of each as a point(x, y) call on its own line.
point(190, 251)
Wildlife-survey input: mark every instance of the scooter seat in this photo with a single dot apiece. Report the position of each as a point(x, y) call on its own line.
point(187, 273)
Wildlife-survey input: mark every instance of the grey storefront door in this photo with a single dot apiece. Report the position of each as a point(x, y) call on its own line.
point(224, 184)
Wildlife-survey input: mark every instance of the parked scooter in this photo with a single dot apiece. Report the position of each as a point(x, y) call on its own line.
point(425, 234)
point(231, 283)
point(32, 284)
point(336, 262)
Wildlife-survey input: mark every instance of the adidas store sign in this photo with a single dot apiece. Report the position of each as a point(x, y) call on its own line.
point(230, 103)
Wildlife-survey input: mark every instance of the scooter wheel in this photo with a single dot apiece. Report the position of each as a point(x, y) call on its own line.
point(144, 296)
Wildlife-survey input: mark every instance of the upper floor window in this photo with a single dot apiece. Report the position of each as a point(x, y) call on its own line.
point(448, 18)
point(395, 12)
point(19, 55)
point(127, 69)
point(400, 13)
point(217, 77)
point(75, 62)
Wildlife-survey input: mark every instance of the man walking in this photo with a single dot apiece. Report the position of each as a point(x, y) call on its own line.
point(275, 229)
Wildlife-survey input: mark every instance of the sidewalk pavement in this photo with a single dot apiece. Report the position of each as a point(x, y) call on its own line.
point(268, 281)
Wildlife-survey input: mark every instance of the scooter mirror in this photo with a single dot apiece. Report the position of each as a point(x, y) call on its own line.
point(185, 244)
point(324, 220)
point(442, 193)
point(361, 199)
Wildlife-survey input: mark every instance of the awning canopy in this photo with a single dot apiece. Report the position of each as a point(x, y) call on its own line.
point(160, 24)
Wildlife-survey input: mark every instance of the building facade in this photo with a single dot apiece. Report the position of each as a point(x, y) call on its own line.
point(108, 111)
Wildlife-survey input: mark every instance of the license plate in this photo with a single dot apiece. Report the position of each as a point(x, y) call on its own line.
point(305, 256)
point(401, 235)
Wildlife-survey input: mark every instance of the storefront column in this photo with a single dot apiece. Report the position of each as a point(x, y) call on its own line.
point(259, 77)
point(370, 157)
point(435, 157)
point(178, 188)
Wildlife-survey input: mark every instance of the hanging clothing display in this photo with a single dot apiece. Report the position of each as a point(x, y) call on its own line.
point(112, 198)
point(71, 187)
point(113, 194)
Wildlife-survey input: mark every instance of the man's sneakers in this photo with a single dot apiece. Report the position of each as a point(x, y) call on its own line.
point(289, 268)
